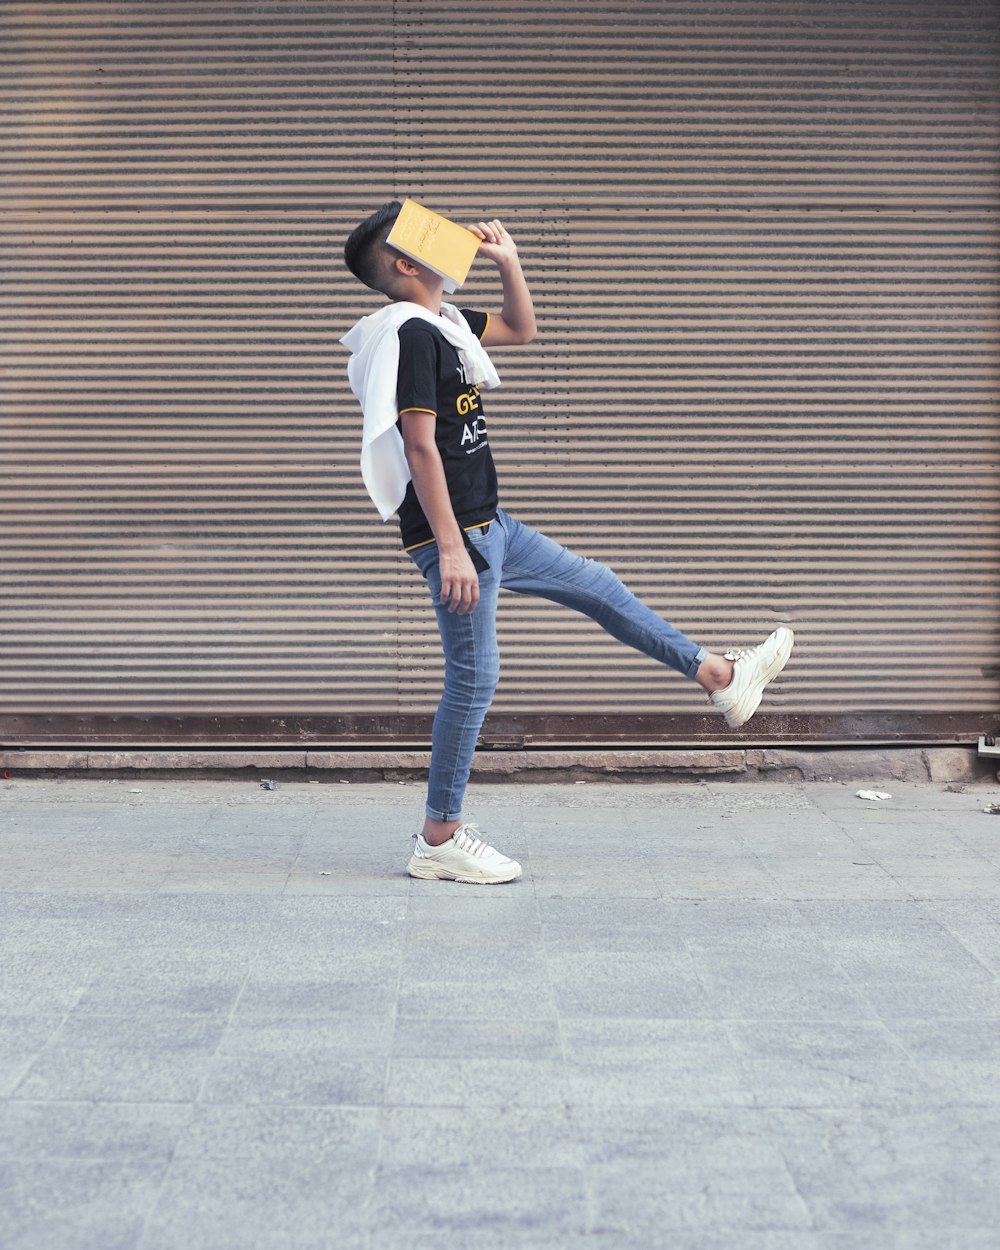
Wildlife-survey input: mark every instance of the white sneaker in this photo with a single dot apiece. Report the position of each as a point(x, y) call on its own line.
point(752, 671)
point(464, 857)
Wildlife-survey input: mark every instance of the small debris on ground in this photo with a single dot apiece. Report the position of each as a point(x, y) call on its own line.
point(874, 796)
point(267, 784)
point(992, 810)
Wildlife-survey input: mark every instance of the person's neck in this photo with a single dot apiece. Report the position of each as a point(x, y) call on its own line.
point(417, 294)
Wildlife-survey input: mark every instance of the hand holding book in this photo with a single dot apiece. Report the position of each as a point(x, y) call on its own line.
point(495, 243)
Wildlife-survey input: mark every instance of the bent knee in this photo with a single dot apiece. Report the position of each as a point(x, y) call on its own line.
point(473, 683)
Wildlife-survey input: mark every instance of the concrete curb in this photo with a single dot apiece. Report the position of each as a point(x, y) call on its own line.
point(939, 764)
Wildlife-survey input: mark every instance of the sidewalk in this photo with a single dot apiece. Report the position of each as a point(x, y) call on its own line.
point(709, 1017)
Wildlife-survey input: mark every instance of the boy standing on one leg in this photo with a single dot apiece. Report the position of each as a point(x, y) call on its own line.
point(418, 367)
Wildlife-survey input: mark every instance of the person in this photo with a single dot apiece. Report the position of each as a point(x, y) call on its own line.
point(419, 367)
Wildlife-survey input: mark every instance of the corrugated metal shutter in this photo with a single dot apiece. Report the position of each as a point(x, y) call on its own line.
point(763, 240)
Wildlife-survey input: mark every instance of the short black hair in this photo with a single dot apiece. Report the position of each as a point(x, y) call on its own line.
point(364, 249)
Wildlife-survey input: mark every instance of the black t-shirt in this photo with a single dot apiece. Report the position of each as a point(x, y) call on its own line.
point(431, 378)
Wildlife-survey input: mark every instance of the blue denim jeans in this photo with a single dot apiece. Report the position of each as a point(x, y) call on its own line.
point(522, 560)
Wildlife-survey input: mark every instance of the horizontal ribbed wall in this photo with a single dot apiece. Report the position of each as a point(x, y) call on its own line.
point(192, 532)
point(763, 242)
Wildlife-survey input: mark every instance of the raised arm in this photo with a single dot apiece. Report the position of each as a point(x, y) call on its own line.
point(515, 323)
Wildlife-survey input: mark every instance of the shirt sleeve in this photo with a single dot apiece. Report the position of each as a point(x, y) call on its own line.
point(478, 321)
point(417, 378)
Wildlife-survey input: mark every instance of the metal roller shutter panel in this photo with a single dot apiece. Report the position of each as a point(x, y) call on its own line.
point(763, 243)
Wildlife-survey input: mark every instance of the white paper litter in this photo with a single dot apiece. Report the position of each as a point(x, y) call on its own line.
point(874, 795)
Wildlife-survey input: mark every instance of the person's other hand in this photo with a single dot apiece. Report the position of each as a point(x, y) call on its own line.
point(459, 582)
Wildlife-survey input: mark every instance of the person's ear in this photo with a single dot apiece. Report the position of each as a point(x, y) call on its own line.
point(406, 267)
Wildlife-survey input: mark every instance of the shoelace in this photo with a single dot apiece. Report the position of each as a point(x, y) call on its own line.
point(466, 839)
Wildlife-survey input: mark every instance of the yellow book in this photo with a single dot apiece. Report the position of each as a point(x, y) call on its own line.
point(432, 240)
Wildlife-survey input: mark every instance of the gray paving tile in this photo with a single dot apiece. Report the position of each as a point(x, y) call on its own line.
point(721, 1136)
point(586, 913)
point(741, 919)
point(863, 878)
point(216, 880)
point(961, 878)
point(774, 973)
point(853, 916)
point(168, 991)
point(316, 1062)
point(960, 1041)
point(564, 820)
point(907, 798)
point(91, 1131)
point(124, 1058)
point(500, 1037)
point(257, 1133)
point(953, 913)
point(76, 1204)
point(311, 942)
point(607, 1042)
point(577, 876)
point(962, 1238)
point(922, 953)
point(666, 943)
point(797, 1239)
point(481, 998)
point(743, 878)
point(458, 1080)
point(286, 1199)
point(482, 1136)
point(982, 942)
point(779, 947)
point(931, 1000)
point(448, 902)
point(980, 1124)
point(819, 1041)
point(345, 880)
point(961, 1080)
point(462, 1205)
point(290, 997)
point(66, 879)
point(524, 963)
point(652, 1062)
point(781, 993)
point(904, 1171)
point(626, 985)
point(22, 1039)
point(40, 983)
point(653, 1200)
point(841, 1083)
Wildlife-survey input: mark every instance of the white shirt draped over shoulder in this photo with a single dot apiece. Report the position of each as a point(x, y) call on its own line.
point(372, 369)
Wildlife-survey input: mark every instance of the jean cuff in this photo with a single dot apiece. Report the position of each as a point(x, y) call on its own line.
point(436, 815)
point(696, 663)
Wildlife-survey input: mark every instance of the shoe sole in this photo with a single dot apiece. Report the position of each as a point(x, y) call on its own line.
point(430, 871)
point(781, 658)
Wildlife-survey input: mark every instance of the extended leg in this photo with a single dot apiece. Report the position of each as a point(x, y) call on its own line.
point(535, 565)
